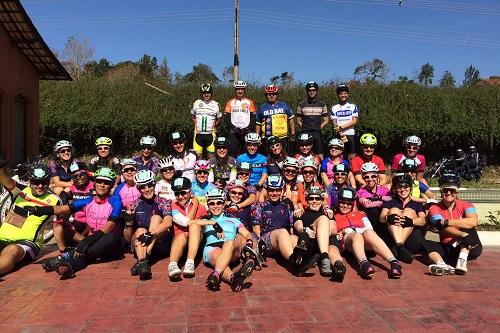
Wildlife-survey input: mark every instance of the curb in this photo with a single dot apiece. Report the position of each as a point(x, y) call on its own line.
point(489, 238)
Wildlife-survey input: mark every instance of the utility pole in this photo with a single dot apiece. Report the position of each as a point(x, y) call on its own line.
point(236, 62)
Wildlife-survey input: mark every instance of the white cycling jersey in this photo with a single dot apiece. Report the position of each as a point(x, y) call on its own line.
point(185, 163)
point(164, 190)
point(240, 110)
point(206, 115)
point(341, 114)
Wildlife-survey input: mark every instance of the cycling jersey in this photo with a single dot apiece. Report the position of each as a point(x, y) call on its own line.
point(312, 113)
point(206, 115)
point(258, 163)
point(152, 164)
point(327, 166)
point(272, 216)
point(82, 193)
point(342, 114)
point(128, 194)
point(200, 190)
point(397, 162)
point(301, 159)
point(242, 214)
point(332, 191)
point(460, 210)
point(225, 170)
point(309, 216)
point(398, 203)
point(146, 208)
point(359, 160)
point(273, 118)
point(57, 169)
point(179, 216)
point(230, 225)
point(98, 162)
point(372, 198)
point(353, 220)
point(184, 163)
point(164, 190)
point(18, 225)
point(418, 188)
point(99, 211)
point(240, 111)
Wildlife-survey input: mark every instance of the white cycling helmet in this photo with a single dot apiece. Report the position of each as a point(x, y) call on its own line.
point(62, 144)
point(166, 163)
point(291, 162)
point(252, 138)
point(215, 194)
point(240, 84)
point(128, 161)
point(148, 140)
point(309, 163)
point(369, 167)
point(144, 177)
point(412, 140)
point(336, 143)
point(202, 165)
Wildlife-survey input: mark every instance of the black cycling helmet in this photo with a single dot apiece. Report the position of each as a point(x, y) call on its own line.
point(221, 142)
point(342, 87)
point(177, 136)
point(402, 179)
point(206, 87)
point(305, 138)
point(409, 165)
point(181, 184)
point(449, 180)
point(78, 166)
point(347, 194)
point(39, 172)
point(272, 140)
point(312, 84)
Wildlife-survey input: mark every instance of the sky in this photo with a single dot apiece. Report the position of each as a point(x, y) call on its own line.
point(317, 40)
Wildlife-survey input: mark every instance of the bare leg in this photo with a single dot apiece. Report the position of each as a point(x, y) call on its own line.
point(9, 256)
point(194, 240)
point(178, 244)
point(375, 243)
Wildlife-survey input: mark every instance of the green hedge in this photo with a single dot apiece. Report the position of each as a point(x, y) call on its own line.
point(445, 119)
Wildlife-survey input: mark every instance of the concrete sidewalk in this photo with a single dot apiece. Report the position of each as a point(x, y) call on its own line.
point(105, 297)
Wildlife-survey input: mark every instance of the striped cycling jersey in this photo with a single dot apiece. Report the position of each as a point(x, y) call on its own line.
point(312, 113)
point(206, 115)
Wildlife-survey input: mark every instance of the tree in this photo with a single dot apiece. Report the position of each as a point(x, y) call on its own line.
point(471, 76)
point(97, 69)
point(426, 74)
point(227, 74)
point(275, 79)
point(373, 70)
point(75, 55)
point(148, 66)
point(164, 72)
point(447, 80)
point(285, 79)
point(201, 73)
point(124, 71)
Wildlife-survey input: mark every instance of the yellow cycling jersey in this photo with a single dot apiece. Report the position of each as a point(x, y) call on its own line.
point(415, 189)
point(19, 225)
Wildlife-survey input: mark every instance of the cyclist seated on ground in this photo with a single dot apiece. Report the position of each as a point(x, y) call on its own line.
point(312, 117)
point(275, 118)
point(153, 218)
point(372, 196)
point(243, 174)
point(456, 221)
point(128, 193)
point(323, 233)
point(368, 143)
point(310, 173)
point(258, 162)
point(104, 158)
point(356, 234)
point(147, 160)
point(305, 153)
point(335, 156)
point(223, 165)
point(184, 159)
point(236, 191)
point(276, 155)
point(184, 209)
point(290, 192)
point(274, 226)
point(221, 248)
point(239, 117)
point(340, 173)
point(200, 185)
point(405, 219)
point(59, 168)
point(420, 192)
point(206, 116)
point(344, 117)
point(21, 233)
point(163, 187)
point(102, 213)
point(412, 145)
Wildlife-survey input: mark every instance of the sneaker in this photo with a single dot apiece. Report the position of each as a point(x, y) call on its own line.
point(325, 268)
point(338, 271)
point(395, 272)
point(247, 253)
point(405, 255)
point(263, 250)
point(461, 267)
point(188, 269)
point(441, 269)
point(144, 270)
point(303, 263)
point(134, 270)
point(213, 281)
point(366, 270)
point(51, 264)
point(65, 270)
point(239, 277)
point(174, 272)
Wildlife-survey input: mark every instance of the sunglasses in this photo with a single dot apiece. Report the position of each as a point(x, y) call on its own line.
point(292, 171)
point(147, 148)
point(403, 186)
point(412, 147)
point(167, 170)
point(275, 146)
point(308, 172)
point(39, 182)
point(348, 203)
point(127, 170)
point(340, 174)
point(78, 175)
point(312, 90)
point(180, 193)
point(103, 181)
point(368, 147)
point(252, 144)
point(271, 94)
point(215, 203)
point(102, 148)
point(305, 144)
point(370, 177)
point(246, 174)
point(236, 192)
point(274, 190)
point(449, 190)
point(145, 186)
point(62, 151)
point(336, 148)
point(314, 198)
point(202, 172)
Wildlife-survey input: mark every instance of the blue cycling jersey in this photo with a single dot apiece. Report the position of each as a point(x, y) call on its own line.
point(229, 225)
point(272, 216)
point(146, 208)
point(258, 163)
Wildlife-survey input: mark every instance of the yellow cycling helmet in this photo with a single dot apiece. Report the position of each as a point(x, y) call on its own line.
point(368, 139)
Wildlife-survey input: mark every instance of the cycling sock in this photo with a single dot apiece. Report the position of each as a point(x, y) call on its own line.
point(361, 260)
point(218, 271)
point(189, 261)
point(463, 255)
point(391, 259)
point(441, 262)
point(323, 255)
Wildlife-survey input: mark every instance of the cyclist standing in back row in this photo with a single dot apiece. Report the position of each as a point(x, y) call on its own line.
point(206, 117)
point(239, 117)
point(344, 116)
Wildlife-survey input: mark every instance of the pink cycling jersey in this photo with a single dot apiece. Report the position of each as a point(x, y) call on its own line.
point(373, 198)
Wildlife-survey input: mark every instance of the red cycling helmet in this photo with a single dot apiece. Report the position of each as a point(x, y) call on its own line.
point(271, 89)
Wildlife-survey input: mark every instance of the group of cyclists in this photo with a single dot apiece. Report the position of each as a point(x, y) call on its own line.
point(239, 199)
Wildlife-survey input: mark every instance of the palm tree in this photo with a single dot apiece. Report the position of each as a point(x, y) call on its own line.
point(426, 74)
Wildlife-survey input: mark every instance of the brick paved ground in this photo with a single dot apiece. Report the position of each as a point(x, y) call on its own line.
point(105, 297)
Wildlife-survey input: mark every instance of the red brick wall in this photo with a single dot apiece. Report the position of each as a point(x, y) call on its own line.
point(17, 77)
